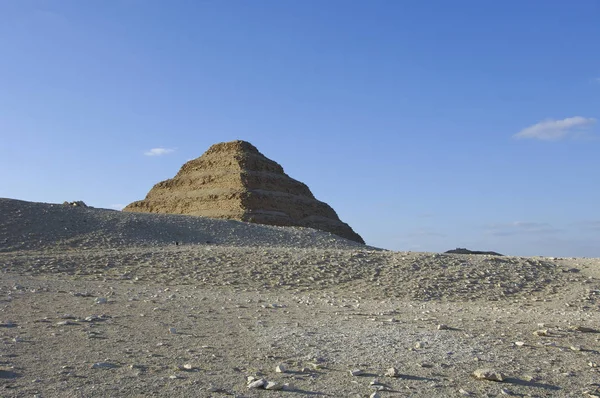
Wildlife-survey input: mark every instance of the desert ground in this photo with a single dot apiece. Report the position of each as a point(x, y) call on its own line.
point(100, 303)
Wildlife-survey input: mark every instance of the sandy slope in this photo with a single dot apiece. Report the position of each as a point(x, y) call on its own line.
point(254, 297)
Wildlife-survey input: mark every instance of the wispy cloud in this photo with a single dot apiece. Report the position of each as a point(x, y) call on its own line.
point(593, 225)
point(553, 130)
point(520, 227)
point(159, 151)
point(117, 206)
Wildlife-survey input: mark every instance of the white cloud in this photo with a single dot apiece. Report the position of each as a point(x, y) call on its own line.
point(159, 151)
point(117, 206)
point(553, 130)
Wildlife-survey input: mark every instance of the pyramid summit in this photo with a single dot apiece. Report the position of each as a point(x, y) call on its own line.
point(233, 180)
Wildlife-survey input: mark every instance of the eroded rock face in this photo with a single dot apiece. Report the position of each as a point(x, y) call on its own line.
point(234, 180)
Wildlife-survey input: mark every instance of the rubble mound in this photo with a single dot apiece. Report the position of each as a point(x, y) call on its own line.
point(461, 250)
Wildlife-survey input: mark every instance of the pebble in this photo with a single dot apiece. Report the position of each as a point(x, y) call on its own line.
point(584, 329)
point(260, 383)
point(375, 395)
point(172, 330)
point(357, 372)
point(541, 333)
point(101, 300)
point(443, 327)
point(519, 343)
point(104, 365)
point(392, 372)
point(488, 374)
point(464, 392)
point(272, 385)
point(281, 368)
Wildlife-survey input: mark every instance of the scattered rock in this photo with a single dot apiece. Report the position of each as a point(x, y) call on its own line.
point(424, 365)
point(488, 374)
point(585, 329)
point(420, 344)
point(392, 372)
point(541, 333)
point(272, 385)
point(101, 300)
point(357, 372)
point(104, 365)
point(443, 327)
point(260, 383)
point(281, 368)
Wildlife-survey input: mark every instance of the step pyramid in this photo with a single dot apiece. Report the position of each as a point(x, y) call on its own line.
point(233, 180)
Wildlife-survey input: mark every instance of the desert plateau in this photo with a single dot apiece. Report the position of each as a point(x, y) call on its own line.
point(105, 303)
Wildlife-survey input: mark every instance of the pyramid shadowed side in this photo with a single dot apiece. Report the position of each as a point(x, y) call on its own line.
point(234, 180)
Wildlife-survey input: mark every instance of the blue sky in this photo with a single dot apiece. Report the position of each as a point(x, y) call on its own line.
point(427, 125)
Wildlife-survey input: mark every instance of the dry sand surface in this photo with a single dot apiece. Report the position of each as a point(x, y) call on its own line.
point(99, 303)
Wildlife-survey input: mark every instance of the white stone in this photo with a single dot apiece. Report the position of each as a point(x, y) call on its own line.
point(488, 374)
point(104, 365)
point(392, 372)
point(272, 385)
point(260, 383)
point(280, 368)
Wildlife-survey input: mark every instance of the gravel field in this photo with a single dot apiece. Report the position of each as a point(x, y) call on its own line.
point(99, 303)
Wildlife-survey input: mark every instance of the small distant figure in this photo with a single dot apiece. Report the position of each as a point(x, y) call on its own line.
point(176, 243)
point(77, 203)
